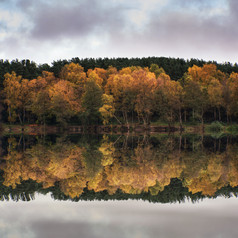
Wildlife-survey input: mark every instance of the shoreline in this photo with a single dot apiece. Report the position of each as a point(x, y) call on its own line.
point(34, 129)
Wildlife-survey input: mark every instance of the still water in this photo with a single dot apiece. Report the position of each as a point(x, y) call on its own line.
point(119, 186)
point(47, 218)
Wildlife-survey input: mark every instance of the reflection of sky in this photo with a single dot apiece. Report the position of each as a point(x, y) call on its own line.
point(46, 218)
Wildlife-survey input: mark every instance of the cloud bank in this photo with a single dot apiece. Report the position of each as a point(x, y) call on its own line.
point(49, 30)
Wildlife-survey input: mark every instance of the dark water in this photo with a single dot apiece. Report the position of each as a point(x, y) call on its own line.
point(119, 186)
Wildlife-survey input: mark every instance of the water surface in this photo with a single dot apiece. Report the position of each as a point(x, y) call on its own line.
point(47, 218)
point(119, 186)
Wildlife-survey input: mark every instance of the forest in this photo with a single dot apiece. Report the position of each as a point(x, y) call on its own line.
point(118, 91)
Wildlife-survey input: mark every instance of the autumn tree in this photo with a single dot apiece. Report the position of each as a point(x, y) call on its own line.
point(195, 98)
point(132, 89)
point(233, 79)
point(120, 86)
point(16, 93)
point(107, 110)
point(39, 95)
point(98, 75)
point(169, 99)
point(215, 96)
point(154, 68)
point(144, 85)
point(75, 74)
point(91, 102)
point(199, 79)
point(64, 101)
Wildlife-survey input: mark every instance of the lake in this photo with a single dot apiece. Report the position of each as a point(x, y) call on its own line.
point(130, 185)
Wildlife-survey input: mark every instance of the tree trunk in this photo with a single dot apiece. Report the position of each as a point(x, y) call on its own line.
point(10, 115)
point(147, 119)
point(180, 143)
point(117, 119)
point(24, 114)
point(219, 112)
point(185, 143)
point(132, 114)
point(202, 121)
point(127, 123)
point(202, 141)
point(20, 118)
point(180, 119)
point(144, 120)
point(123, 114)
point(44, 124)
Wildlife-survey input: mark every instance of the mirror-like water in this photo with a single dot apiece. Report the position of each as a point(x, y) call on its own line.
point(188, 179)
point(160, 168)
point(44, 217)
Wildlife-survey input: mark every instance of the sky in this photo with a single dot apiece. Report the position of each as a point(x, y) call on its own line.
point(49, 30)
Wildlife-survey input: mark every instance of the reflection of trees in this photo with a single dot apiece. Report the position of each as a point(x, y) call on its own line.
point(44, 164)
point(137, 166)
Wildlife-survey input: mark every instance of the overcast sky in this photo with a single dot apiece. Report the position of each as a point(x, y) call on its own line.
point(47, 30)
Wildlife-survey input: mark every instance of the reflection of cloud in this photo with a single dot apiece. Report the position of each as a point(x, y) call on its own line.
point(130, 219)
point(2, 225)
point(51, 229)
point(14, 229)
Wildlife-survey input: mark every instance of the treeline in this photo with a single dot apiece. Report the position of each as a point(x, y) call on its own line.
point(174, 67)
point(174, 192)
point(94, 91)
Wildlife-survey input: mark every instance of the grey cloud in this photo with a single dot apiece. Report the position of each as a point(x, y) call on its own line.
point(52, 21)
point(178, 29)
point(233, 4)
point(199, 3)
point(25, 5)
point(188, 30)
point(58, 229)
